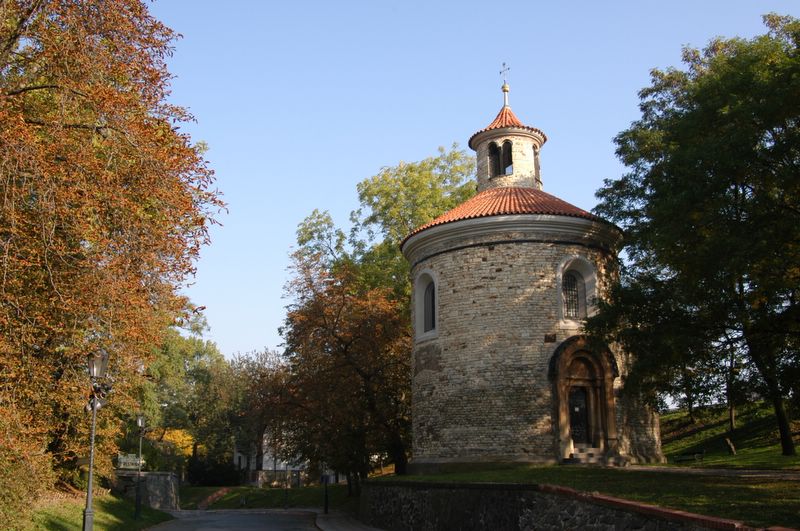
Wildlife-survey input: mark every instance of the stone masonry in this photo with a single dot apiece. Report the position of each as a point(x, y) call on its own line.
point(488, 383)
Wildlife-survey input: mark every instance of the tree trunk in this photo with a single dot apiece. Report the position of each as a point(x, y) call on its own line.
point(729, 382)
point(399, 457)
point(787, 444)
point(260, 451)
point(764, 366)
point(764, 356)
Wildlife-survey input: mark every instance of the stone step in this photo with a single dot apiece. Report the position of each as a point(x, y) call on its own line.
point(594, 456)
point(584, 460)
point(587, 452)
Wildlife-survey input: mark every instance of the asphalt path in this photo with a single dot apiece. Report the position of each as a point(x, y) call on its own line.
point(247, 520)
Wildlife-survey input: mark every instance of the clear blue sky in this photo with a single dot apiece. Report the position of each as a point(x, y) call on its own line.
point(301, 100)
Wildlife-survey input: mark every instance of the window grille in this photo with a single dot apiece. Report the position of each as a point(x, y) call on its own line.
point(569, 288)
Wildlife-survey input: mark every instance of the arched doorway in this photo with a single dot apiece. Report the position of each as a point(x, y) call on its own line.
point(583, 380)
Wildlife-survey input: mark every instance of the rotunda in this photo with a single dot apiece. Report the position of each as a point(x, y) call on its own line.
point(501, 286)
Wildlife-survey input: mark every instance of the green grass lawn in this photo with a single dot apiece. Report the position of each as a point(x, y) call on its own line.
point(756, 501)
point(191, 496)
point(755, 438)
point(110, 513)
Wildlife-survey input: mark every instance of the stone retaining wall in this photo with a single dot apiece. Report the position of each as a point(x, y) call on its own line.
point(159, 489)
point(417, 506)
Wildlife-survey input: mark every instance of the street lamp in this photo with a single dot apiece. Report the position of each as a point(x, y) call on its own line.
point(325, 487)
point(98, 364)
point(138, 512)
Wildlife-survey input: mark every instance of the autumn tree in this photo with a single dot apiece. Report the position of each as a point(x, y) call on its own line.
point(711, 213)
point(104, 206)
point(363, 347)
point(347, 349)
point(260, 403)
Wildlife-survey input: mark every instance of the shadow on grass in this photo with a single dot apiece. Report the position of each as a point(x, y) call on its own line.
point(110, 514)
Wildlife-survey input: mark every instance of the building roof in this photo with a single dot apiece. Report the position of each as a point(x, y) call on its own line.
point(506, 118)
point(502, 201)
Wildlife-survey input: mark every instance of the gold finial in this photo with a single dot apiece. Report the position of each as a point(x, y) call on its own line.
point(505, 88)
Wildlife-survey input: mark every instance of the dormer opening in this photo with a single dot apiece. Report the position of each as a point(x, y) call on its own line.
point(508, 164)
point(500, 159)
point(494, 160)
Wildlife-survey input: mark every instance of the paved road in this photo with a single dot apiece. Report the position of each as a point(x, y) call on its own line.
point(245, 520)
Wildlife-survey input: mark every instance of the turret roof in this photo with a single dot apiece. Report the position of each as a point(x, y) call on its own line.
point(506, 118)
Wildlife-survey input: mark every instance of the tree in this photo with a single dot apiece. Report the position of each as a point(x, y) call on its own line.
point(260, 381)
point(105, 205)
point(347, 331)
point(349, 378)
point(711, 212)
point(398, 200)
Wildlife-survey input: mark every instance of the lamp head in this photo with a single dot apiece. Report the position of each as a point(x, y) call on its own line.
point(98, 363)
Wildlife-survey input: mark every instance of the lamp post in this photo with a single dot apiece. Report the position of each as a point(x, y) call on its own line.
point(325, 487)
point(98, 364)
point(138, 512)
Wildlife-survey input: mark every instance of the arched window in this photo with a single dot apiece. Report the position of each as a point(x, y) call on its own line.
point(494, 160)
point(576, 288)
point(426, 301)
point(573, 293)
point(508, 164)
point(429, 308)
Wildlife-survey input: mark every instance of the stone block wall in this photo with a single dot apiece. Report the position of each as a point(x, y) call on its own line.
point(480, 384)
point(159, 489)
point(523, 156)
point(481, 387)
point(407, 506)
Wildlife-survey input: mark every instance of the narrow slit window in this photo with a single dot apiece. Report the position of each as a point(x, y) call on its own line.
point(429, 308)
point(508, 163)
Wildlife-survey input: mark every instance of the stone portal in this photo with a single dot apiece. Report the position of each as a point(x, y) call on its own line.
point(583, 380)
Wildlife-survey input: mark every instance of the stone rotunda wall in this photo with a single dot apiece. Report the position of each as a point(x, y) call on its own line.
point(480, 382)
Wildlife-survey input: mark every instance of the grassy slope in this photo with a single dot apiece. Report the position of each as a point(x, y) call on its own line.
point(191, 496)
point(755, 438)
point(760, 502)
point(110, 513)
point(756, 501)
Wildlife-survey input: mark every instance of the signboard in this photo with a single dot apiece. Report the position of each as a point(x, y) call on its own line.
point(128, 461)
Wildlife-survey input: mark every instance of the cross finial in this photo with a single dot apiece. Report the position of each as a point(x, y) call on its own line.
point(504, 73)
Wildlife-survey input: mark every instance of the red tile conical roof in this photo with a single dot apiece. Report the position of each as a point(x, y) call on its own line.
point(508, 201)
point(506, 118)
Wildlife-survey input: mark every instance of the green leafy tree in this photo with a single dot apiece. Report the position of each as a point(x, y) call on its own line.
point(711, 212)
point(398, 200)
point(347, 331)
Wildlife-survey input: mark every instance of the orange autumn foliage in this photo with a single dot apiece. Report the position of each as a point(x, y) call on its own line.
point(349, 370)
point(104, 205)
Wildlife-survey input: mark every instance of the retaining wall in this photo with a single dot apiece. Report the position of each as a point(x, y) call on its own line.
point(418, 506)
point(159, 489)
